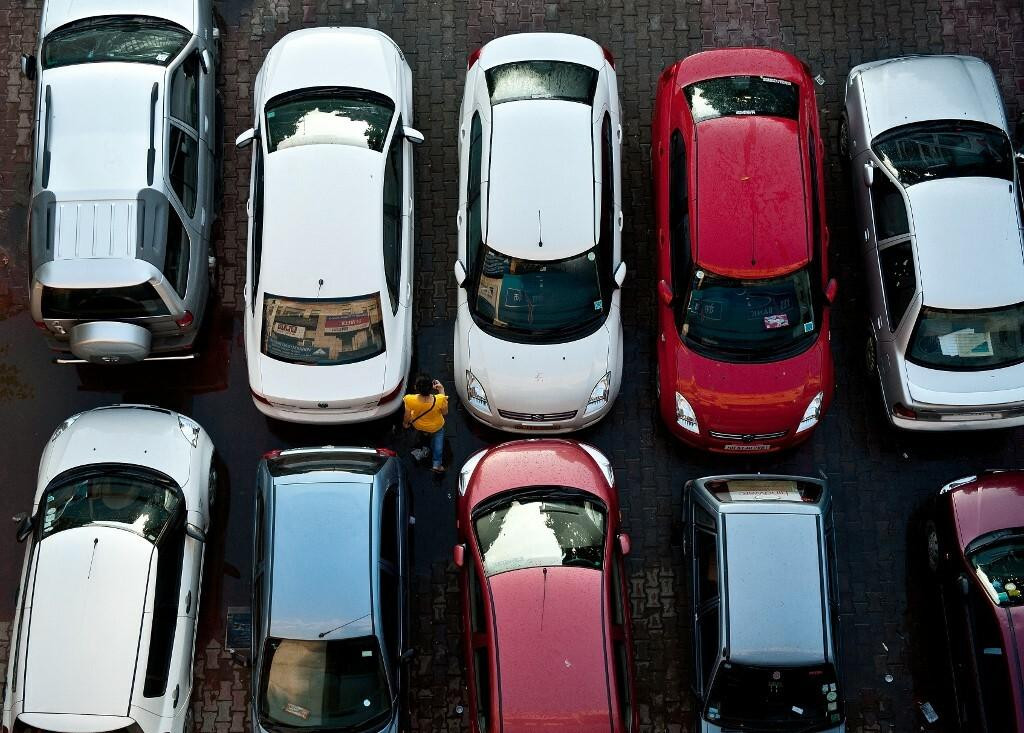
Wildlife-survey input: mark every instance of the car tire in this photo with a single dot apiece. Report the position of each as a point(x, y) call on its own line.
point(932, 551)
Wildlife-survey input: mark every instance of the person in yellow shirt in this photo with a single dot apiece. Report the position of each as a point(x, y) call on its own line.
point(425, 410)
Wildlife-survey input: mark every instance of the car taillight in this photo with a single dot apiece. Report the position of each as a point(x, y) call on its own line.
point(608, 56)
point(271, 454)
point(186, 320)
point(258, 397)
point(392, 394)
point(41, 325)
point(386, 453)
point(473, 58)
point(903, 411)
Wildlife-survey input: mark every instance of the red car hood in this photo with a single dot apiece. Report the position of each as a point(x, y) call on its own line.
point(752, 398)
point(996, 502)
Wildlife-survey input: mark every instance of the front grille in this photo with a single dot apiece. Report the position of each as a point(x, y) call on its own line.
point(538, 417)
point(747, 437)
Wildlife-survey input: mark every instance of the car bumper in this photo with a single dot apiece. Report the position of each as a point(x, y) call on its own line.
point(320, 416)
point(953, 422)
point(541, 427)
point(739, 443)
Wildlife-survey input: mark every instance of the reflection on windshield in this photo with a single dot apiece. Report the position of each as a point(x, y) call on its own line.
point(322, 332)
point(541, 80)
point(359, 119)
point(537, 532)
point(787, 698)
point(144, 506)
point(749, 318)
point(999, 564)
point(976, 339)
point(324, 684)
point(539, 296)
point(742, 95)
point(134, 301)
point(114, 38)
point(945, 149)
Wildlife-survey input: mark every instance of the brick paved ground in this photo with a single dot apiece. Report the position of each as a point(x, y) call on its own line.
point(880, 478)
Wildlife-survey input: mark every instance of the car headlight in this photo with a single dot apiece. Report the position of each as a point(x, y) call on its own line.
point(599, 397)
point(189, 430)
point(475, 394)
point(686, 418)
point(811, 414)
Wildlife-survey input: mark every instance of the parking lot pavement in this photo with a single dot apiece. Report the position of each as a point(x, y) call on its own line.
point(879, 478)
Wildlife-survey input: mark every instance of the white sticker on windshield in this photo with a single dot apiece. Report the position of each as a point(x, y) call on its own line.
point(590, 256)
point(798, 711)
point(598, 305)
point(161, 57)
point(297, 710)
point(809, 326)
point(778, 320)
point(271, 113)
point(368, 653)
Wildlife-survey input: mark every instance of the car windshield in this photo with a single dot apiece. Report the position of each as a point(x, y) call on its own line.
point(134, 301)
point(337, 685)
point(784, 698)
point(945, 149)
point(137, 39)
point(539, 297)
point(752, 320)
point(329, 117)
point(541, 80)
point(998, 561)
point(965, 340)
point(322, 332)
point(146, 505)
point(541, 528)
point(728, 96)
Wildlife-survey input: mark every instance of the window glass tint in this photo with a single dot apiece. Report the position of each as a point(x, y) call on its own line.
point(257, 221)
point(990, 654)
point(618, 595)
point(622, 684)
point(968, 339)
point(474, 233)
point(705, 547)
point(322, 332)
point(998, 562)
point(183, 167)
point(166, 598)
point(678, 212)
point(393, 220)
point(477, 615)
point(606, 238)
point(114, 38)
point(742, 95)
point(324, 684)
point(889, 209)
point(709, 641)
point(329, 117)
point(806, 697)
point(945, 149)
point(135, 301)
point(541, 80)
point(177, 251)
point(482, 681)
point(185, 91)
point(390, 612)
point(898, 280)
point(531, 532)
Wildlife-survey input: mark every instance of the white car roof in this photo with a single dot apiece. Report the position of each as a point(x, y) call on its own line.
point(61, 12)
point(969, 248)
point(323, 219)
point(332, 57)
point(541, 47)
point(87, 612)
point(541, 161)
point(920, 88)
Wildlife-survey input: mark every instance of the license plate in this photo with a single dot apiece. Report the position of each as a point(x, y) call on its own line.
point(524, 426)
point(971, 416)
point(747, 446)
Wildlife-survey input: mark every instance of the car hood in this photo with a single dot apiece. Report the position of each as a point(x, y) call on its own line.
point(752, 398)
point(960, 388)
point(538, 378)
point(985, 506)
point(300, 385)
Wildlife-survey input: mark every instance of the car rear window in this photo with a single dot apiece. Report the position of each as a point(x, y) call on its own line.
point(134, 301)
point(357, 118)
point(730, 96)
point(928, 151)
point(541, 80)
point(968, 339)
point(322, 332)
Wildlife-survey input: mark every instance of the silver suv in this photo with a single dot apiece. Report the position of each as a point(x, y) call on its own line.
point(762, 554)
point(123, 179)
point(330, 591)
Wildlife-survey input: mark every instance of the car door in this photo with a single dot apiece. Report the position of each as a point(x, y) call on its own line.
point(704, 593)
point(479, 654)
point(622, 654)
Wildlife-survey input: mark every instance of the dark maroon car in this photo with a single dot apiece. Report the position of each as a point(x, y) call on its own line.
point(976, 550)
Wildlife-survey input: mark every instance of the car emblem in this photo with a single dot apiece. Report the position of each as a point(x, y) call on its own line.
point(747, 438)
point(322, 405)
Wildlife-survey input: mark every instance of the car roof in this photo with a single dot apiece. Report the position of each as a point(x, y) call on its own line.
point(970, 255)
point(61, 12)
point(320, 576)
point(912, 89)
point(773, 584)
point(751, 202)
point(541, 179)
point(549, 629)
point(989, 502)
point(88, 599)
point(307, 238)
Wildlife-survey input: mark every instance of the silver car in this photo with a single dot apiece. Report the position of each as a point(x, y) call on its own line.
point(124, 175)
point(762, 555)
point(939, 224)
point(330, 591)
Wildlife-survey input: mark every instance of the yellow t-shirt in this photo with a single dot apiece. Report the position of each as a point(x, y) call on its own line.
point(432, 420)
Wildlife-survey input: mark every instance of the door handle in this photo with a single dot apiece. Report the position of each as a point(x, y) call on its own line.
point(458, 220)
point(621, 220)
point(248, 207)
point(618, 133)
point(188, 602)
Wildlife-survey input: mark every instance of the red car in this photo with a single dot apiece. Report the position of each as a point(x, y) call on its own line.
point(744, 292)
point(544, 599)
point(976, 551)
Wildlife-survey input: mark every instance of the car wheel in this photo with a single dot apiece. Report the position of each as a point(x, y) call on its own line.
point(932, 546)
point(844, 140)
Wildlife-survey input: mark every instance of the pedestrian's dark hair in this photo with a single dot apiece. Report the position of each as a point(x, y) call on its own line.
point(424, 385)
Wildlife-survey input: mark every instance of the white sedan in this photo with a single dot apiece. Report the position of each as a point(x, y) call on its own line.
point(328, 294)
point(538, 334)
point(104, 628)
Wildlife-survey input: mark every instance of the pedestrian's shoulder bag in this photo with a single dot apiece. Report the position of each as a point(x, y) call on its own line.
point(412, 423)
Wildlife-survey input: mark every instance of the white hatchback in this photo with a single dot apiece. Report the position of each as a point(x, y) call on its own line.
point(538, 334)
point(328, 294)
point(104, 630)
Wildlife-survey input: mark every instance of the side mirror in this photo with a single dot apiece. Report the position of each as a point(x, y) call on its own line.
point(869, 174)
point(28, 66)
point(25, 526)
point(460, 273)
point(412, 135)
point(195, 532)
point(665, 293)
point(459, 555)
point(831, 290)
point(624, 546)
point(245, 139)
point(620, 274)
point(206, 61)
point(407, 655)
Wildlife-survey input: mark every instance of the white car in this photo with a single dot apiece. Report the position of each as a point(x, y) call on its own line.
point(538, 334)
point(328, 294)
point(105, 623)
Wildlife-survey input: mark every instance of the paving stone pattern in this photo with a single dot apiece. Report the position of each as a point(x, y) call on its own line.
point(879, 478)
